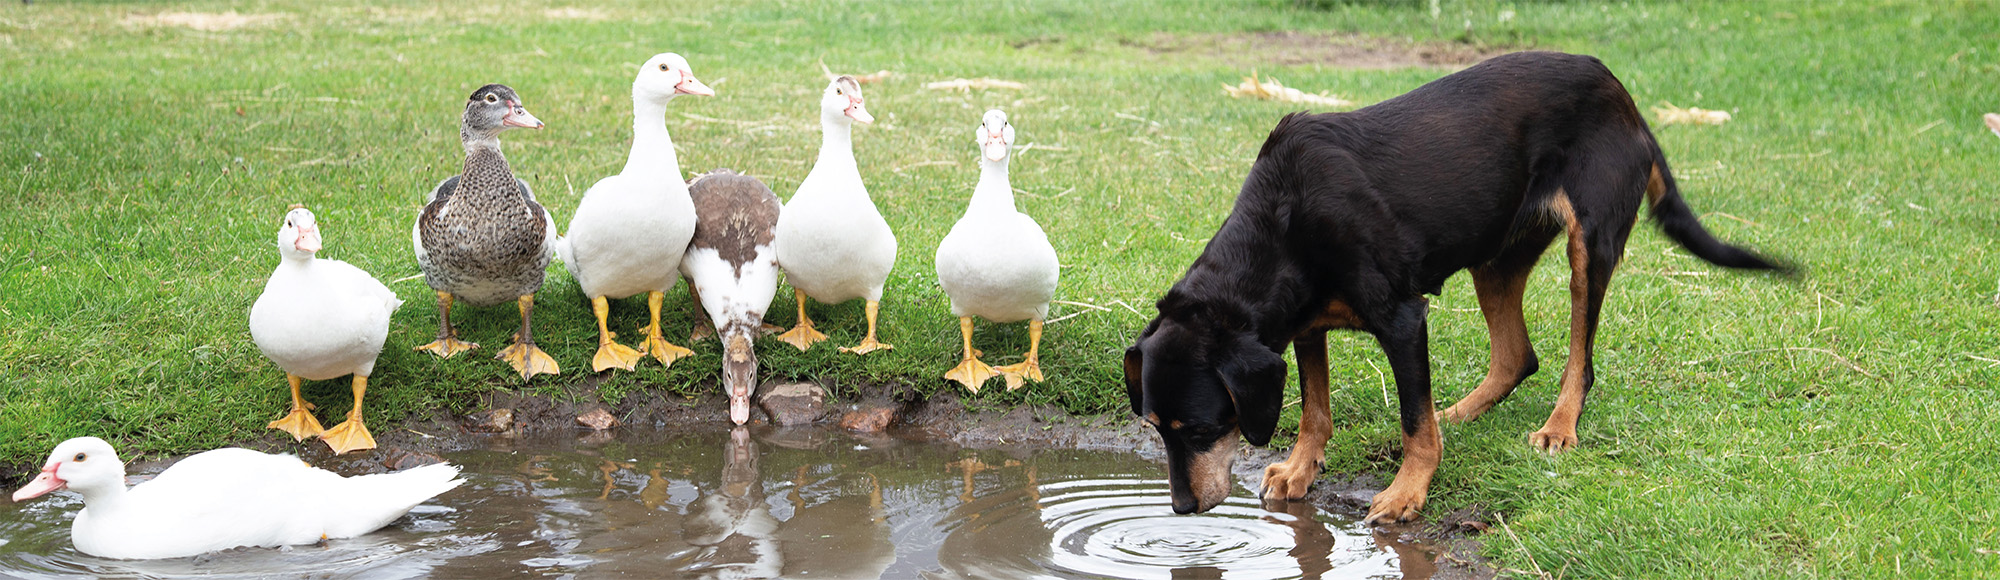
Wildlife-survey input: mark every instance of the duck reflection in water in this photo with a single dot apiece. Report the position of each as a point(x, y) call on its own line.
point(830, 533)
point(733, 523)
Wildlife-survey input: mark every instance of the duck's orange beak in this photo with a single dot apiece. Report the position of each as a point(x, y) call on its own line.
point(42, 485)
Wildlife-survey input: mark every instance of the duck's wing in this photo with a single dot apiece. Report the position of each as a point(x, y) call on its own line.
point(443, 190)
point(551, 242)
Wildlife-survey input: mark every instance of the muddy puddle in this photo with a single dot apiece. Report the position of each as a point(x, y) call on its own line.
point(780, 503)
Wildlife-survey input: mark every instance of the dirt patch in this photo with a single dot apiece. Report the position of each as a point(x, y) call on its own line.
point(203, 21)
point(1252, 49)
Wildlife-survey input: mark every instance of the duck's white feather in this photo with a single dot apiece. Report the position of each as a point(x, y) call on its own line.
point(730, 294)
point(322, 319)
point(831, 241)
point(228, 498)
point(628, 234)
point(997, 263)
point(998, 266)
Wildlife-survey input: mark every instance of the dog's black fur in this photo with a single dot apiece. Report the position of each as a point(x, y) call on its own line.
point(1347, 219)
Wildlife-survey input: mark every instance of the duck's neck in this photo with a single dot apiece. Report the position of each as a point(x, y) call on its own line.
point(485, 174)
point(994, 192)
point(296, 260)
point(836, 145)
point(652, 149)
point(103, 497)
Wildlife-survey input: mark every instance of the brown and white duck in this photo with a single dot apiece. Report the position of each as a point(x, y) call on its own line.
point(482, 238)
point(627, 235)
point(734, 271)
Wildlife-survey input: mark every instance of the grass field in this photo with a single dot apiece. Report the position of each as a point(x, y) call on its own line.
point(1838, 426)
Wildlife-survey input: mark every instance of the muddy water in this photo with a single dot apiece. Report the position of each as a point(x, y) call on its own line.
point(780, 504)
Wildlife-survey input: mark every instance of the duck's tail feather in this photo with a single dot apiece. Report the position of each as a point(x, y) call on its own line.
point(369, 502)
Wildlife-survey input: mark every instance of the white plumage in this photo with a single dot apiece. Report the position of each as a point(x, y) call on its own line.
point(996, 263)
point(831, 240)
point(630, 230)
point(223, 499)
point(318, 318)
point(321, 319)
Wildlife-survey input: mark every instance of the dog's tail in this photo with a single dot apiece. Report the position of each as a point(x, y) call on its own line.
point(1681, 225)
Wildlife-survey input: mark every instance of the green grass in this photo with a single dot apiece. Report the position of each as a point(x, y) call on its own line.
point(1741, 426)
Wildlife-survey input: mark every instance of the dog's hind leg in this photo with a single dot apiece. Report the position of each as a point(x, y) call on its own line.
point(1405, 340)
point(1500, 284)
point(1596, 242)
point(1289, 479)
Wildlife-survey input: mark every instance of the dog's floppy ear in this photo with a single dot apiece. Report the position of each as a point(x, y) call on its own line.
point(1135, 363)
point(1256, 380)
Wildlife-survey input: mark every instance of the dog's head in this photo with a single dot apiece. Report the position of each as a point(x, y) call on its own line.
point(1203, 388)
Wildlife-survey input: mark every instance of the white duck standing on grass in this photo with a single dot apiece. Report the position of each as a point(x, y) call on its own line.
point(321, 319)
point(831, 241)
point(482, 238)
point(997, 263)
point(223, 499)
point(630, 230)
point(734, 271)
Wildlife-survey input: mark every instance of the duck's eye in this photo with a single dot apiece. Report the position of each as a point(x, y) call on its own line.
point(492, 99)
point(839, 92)
point(663, 67)
point(79, 457)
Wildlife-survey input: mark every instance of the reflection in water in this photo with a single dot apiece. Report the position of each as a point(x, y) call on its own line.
point(762, 503)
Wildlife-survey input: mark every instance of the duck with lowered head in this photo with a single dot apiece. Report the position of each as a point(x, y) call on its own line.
point(734, 271)
point(482, 238)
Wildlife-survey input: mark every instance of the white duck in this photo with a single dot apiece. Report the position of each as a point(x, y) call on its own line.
point(997, 263)
point(734, 271)
point(223, 499)
point(832, 242)
point(628, 233)
point(321, 319)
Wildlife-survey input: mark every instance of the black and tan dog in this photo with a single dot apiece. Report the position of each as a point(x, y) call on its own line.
point(1348, 219)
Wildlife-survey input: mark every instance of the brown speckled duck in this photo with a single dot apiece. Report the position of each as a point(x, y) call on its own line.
point(482, 238)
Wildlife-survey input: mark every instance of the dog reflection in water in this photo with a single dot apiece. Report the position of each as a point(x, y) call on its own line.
point(830, 533)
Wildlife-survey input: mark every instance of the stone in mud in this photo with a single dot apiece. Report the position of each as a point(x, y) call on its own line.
point(597, 419)
point(492, 421)
point(398, 459)
point(793, 403)
point(868, 419)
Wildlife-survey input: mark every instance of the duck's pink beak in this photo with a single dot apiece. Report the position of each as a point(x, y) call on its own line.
point(520, 117)
point(858, 112)
point(43, 484)
point(691, 86)
point(308, 240)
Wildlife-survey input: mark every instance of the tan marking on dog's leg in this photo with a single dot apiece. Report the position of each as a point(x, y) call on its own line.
point(1289, 479)
point(1656, 186)
point(1405, 497)
point(1559, 433)
point(1512, 355)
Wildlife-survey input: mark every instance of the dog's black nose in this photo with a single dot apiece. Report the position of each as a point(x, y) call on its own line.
point(1186, 506)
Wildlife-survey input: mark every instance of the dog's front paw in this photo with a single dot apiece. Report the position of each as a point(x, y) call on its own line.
point(1288, 480)
point(1396, 504)
point(1553, 441)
